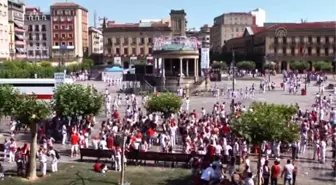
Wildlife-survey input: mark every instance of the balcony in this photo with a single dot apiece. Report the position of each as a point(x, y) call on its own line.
point(20, 30)
point(63, 47)
point(19, 42)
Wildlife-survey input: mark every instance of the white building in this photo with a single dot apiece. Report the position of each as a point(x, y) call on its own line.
point(95, 41)
point(4, 29)
point(260, 16)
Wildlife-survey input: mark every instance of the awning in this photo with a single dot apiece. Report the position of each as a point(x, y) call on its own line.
point(20, 37)
point(20, 50)
point(20, 25)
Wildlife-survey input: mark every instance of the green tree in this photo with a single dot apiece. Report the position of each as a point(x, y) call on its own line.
point(323, 66)
point(77, 100)
point(45, 64)
point(299, 65)
point(31, 111)
point(246, 65)
point(9, 100)
point(266, 122)
point(165, 103)
point(219, 65)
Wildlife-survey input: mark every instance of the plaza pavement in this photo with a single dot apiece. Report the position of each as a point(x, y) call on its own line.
point(310, 172)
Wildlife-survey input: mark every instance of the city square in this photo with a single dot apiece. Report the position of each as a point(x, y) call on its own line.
point(134, 93)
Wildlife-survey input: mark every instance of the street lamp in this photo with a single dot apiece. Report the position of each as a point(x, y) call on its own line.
point(233, 79)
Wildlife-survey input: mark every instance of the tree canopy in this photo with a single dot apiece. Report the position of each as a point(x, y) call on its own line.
point(77, 100)
point(9, 100)
point(25, 69)
point(267, 122)
point(299, 65)
point(166, 103)
point(323, 66)
point(246, 65)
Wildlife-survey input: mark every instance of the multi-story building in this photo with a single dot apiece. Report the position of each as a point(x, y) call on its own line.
point(4, 28)
point(96, 42)
point(203, 35)
point(69, 31)
point(284, 43)
point(38, 34)
point(124, 43)
point(17, 44)
point(231, 25)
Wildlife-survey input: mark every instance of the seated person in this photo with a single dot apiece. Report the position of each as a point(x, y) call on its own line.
point(100, 168)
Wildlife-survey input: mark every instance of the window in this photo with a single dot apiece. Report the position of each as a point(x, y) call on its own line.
point(37, 28)
point(62, 19)
point(56, 44)
point(70, 35)
point(56, 35)
point(44, 36)
point(44, 44)
point(37, 36)
point(126, 51)
point(118, 51)
point(133, 40)
point(30, 28)
point(150, 40)
point(63, 43)
point(44, 28)
point(70, 27)
point(118, 41)
point(310, 39)
point(134, 51)
point(63, 35)
point(326, 51)
point(55, 18)
point(150, 50)
point(31, 44)
point(142, 41)
point(293, 51)
point(44, 18)
point(37, 44)
point(284, 40)
point(56, 27)
point(69, 19)
point(37, 18)
point(70, 43)
point(318, 51)
point(63, 27)
point(142, 51)
point(318, 39)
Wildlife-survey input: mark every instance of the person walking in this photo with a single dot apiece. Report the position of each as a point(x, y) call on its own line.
point(275, 173)
point(287, 173)
point(266, 173)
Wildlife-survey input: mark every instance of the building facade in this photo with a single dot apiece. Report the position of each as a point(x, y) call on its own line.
point(126, 43)
point(284, 43)
point(231, 25)
point(203, 35)
point(69, 31)
point(96, 41)
point(17, 44)
point(4, 29)
point(38, 35)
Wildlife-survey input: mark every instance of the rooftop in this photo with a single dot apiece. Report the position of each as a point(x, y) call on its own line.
point(67, 4)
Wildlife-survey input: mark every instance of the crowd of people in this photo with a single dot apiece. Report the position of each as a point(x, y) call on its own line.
point(191, 131)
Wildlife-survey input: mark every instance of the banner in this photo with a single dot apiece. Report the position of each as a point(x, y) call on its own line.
point(117, 60)
point(205, 58)
point(182, 41)
point(59, 78)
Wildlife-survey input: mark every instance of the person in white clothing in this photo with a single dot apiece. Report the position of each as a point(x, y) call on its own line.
point(172, 130)
point(323, 151)
point(64, 134)
point(54, 160)
point(187, 101)
point(43, 161)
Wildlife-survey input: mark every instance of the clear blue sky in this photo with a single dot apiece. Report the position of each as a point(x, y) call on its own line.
point(200, 12)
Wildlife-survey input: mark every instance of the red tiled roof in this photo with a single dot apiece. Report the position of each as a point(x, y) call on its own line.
point(238, 13)
point(256, 29)
point(67, 4)
point(122, 25)
point(160, 24)
point(308, 25)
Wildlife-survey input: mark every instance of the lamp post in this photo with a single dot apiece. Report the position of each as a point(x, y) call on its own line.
point(233, 79)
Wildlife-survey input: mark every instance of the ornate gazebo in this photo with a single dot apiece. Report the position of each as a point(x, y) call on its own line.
point(177, 59)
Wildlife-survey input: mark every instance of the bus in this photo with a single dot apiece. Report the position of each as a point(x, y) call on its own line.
point(42, 88)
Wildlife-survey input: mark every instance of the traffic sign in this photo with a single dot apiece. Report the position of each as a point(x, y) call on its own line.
point(59, 78)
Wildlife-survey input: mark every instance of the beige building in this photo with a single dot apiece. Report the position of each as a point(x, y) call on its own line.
point(231, 25)
point(95, 41)
point(125, 43)
point(17, 43)
point(4, 29)
point(284, 43)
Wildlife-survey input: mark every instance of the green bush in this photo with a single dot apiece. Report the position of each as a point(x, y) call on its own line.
point(219, 65)
point(246, 65)
point(24, 69)
point(323, 66)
